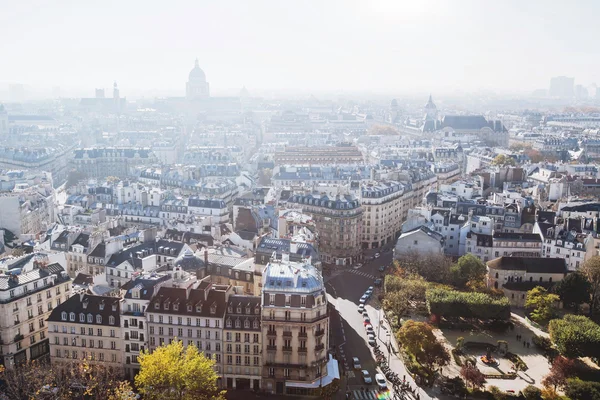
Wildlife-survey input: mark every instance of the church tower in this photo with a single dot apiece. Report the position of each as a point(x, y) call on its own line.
point(430, 109)
point(197, 86)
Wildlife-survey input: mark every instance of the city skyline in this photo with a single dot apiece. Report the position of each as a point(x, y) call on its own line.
point(434, 46)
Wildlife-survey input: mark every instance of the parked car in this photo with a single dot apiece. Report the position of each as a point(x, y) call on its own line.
point(381, 382)
point(378, 282)
point(377, 255)
point(366, 376)
point(369, 328)
point(365, 314)
point(370, 289)
point(361, 308)
point(357, 266)
point(363, 299)
point(367, 321)
point(371, 340)
point(381, 269)
point(356, 363)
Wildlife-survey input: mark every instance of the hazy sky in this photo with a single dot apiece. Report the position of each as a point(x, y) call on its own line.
point(388, 46)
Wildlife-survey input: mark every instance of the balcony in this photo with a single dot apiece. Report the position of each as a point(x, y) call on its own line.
point(287, 348)
point(19, 337)
point(271, 348)
point(302, 350)
point(302, 334)
point(272, 333)
point(320, 332)
point(319, 347)
point(287, 333)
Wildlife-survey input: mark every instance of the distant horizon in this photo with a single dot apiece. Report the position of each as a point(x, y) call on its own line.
point(383, 46)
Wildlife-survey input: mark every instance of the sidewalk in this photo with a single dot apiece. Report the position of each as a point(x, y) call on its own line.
point(526, 323)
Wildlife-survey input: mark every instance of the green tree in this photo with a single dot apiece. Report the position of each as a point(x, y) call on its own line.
point(532, 393)
point(574, 290)
point(173, 372)
point(502, 160)
point(575, 336)
point(468, 269)
point(542, 303)
point(591, 270)
point(396, 302)
point(578, 389)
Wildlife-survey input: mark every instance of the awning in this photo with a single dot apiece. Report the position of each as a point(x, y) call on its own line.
point(333, 372)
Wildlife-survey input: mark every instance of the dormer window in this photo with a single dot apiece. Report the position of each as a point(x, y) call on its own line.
point(63, 316)
point(230, 309)
point(248, 310)
point(256, 310)
point(72, 316)
point(166, 305)
point(213, 309)
point(176, 307)
point(198, 308)
point(156, 305)
point(189, 308)
point(111, 320)
point(238, 310)
point(90, 318)
point(255, 324)
point(98, 319)
point(237, 323)
point(101, 305)
point(82, 317)
point(246, 324)
point(228, 323)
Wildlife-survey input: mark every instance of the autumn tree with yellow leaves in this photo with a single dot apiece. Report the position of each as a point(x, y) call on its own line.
point(175, 372)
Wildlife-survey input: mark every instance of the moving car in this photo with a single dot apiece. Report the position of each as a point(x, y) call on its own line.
point(366, 376)
point(357, 266)
point(381, 382)
point(356, 363)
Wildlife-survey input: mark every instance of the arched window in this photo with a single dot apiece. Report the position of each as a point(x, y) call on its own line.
point(246, 324)
point(72, 316)
point(63, 316)
point(496, 285)
point(237, 323)
point(229, 323)
point(82, 317)
point(255, 324)
point(496, 275)
point(90, 318)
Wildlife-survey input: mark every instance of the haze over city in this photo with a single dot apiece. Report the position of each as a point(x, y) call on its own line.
point(344, 46)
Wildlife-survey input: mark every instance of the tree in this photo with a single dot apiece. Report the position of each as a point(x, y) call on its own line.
point(562, 369)
point(468, 269)
point(473, 376)
point(173, 372)
point(591, 270)
point(502, 161)
point(380, 129)
point(532, 393)
point(455, 304)
point(18, 252)
point(264, 176)
point(575, 336)
point(397, 302)
point(433, 267)
point(578, 389)
point(574, 290)
point(542, 303)
point(418, 339)
point(534, 155)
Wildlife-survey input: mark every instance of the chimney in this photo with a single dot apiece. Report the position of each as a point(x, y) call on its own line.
point(206, 258)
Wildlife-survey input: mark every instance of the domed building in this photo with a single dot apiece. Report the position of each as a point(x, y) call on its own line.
point(197, 87)
point(189, 262)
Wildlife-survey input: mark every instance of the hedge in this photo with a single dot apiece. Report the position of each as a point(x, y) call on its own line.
point(575, 336)
point(455, 304)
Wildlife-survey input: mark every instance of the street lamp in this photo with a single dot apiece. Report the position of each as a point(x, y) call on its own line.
point(388, 347)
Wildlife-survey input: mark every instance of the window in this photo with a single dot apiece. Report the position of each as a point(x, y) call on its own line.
point(72, 316)
point(63, 316)
point(111, 320)
point(98, 319)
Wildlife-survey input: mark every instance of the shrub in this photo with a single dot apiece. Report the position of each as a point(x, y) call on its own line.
point(578, 389)
point(452, 303)
point(517, 361)
point(532, 393)
point(545, 345)
point(456, 355)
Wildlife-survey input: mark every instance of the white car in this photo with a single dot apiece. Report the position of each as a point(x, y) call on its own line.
point(357, 266)
point(361, 308)
point(366, 376)
point(371, 339)
point(381, 382)
point(370, 329)
point(356, 363)
point(377, 255)
point(363, 299)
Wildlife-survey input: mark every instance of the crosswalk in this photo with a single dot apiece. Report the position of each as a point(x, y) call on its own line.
point(361, 273)
point(369, 395)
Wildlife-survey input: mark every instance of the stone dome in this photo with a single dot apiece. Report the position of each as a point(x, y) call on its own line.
point(196, 74)
point(188, 261)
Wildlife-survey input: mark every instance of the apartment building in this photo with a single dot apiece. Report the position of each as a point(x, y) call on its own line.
point(383, 205)
point(242, 343)
point(87, 327)
point(27, 297)
point(517, 244)
point(339, 223)
point(295, 329)
point(192, 313)
point(136, 296)
point(111, 161)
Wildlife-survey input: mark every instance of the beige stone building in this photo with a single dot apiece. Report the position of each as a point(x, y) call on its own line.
point(295, 329)
point(87, 327)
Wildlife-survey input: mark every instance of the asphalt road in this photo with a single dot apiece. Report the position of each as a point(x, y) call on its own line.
point(345, 288)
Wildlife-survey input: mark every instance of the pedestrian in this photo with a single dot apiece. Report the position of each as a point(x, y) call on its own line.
point(524, 343)
point(528, 344)
point(517, 337)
